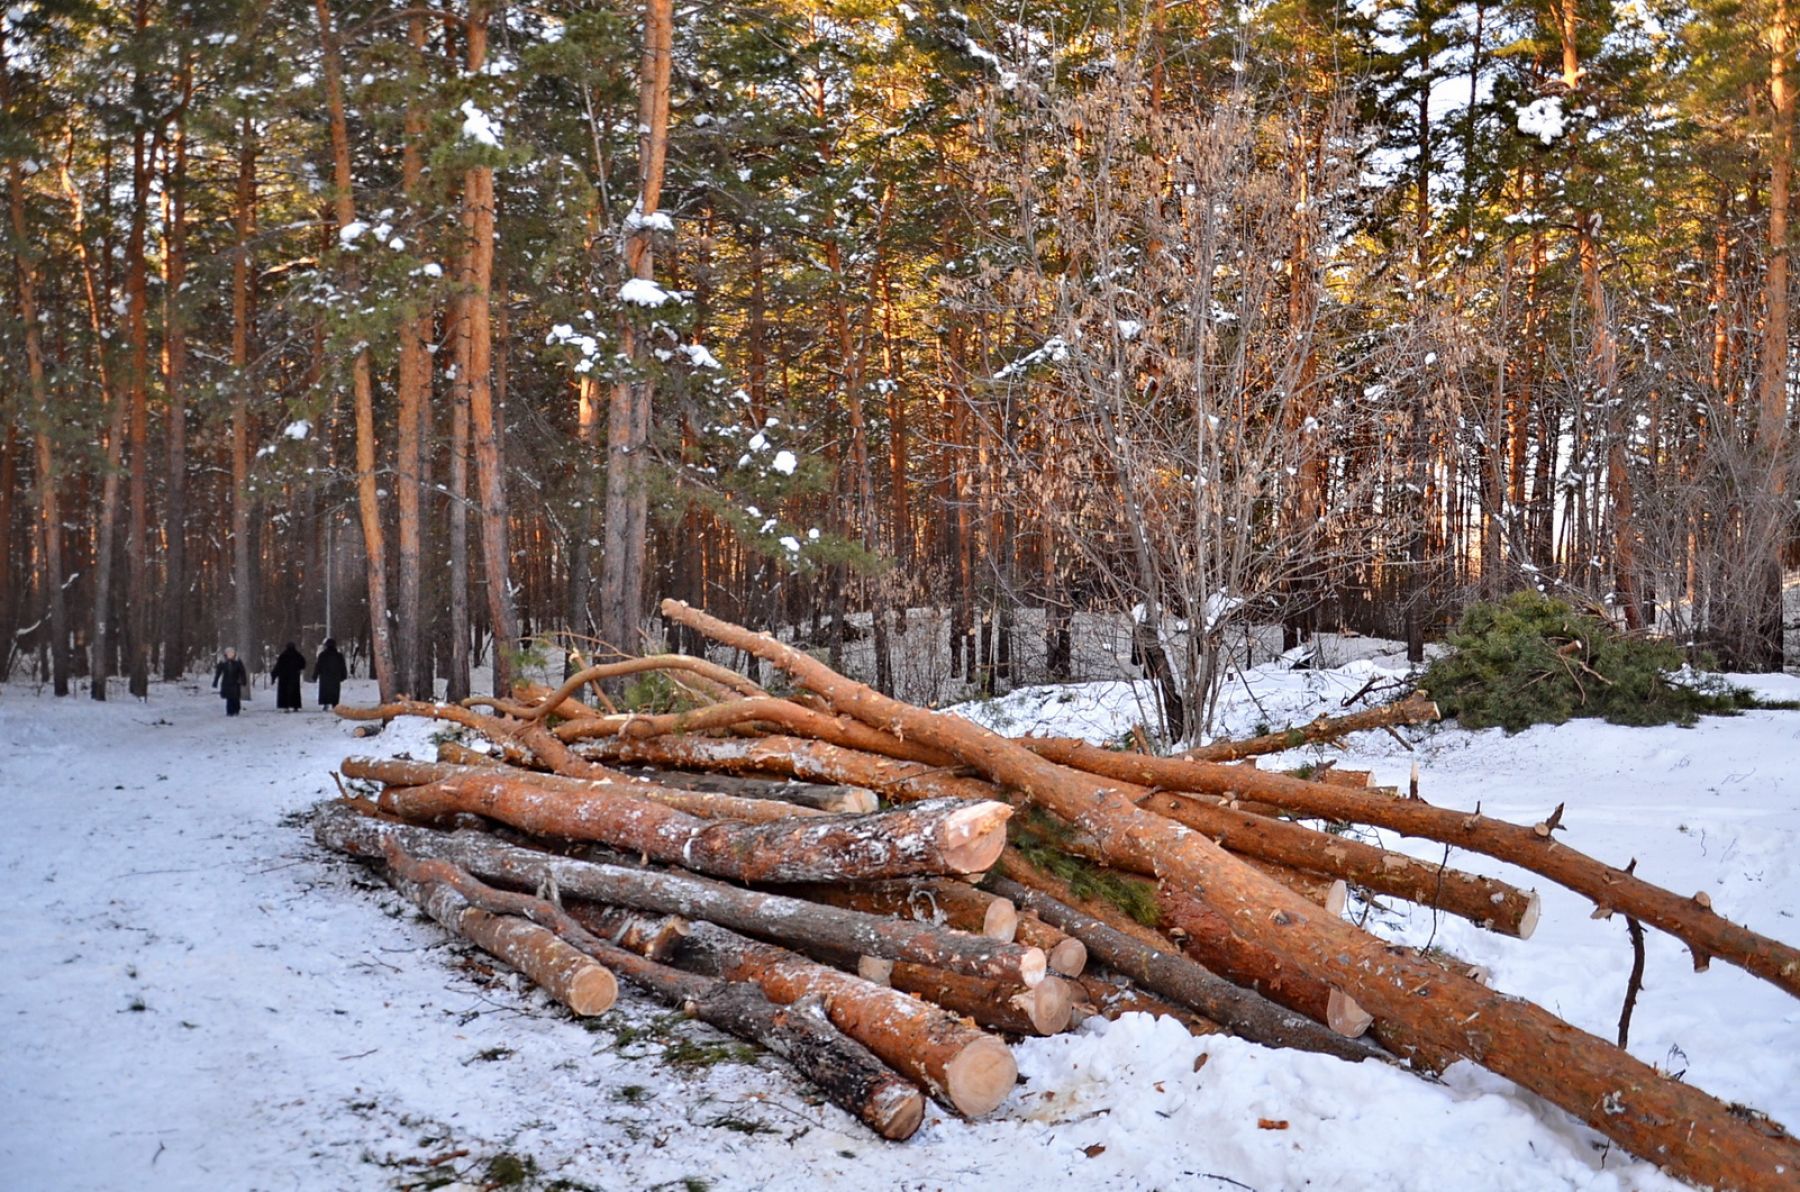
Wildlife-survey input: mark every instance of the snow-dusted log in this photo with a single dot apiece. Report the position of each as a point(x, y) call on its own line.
point(1654, 1117)
point(932, 900)
point(836, 798)
point(773, 916)
point(940, 836)
point(572, 977)
point(1485, 901)
point(970, 1071)
point(1153, 962)
point(1689, 919)
point(843, 1069)
point(1414, 709)
point(793, 757)
point(1044, 1009)
point(703, 804)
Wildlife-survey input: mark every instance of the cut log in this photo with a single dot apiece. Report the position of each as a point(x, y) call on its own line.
point(1067, 955)
point(970, 1071)
point(1706, 933)
point(783, 919)
point(1111, 995)
point(1044, 1009)
point(1487, 902)
point(457, 754)
point(943, 901)
point(1331, 893)
point(794, 757)
point(1414, 709)
point(576, 980)
point(924, 839)
point(785, 714)
point(832, 797)
point(847, 1072)
point(703, 804)
point(1140, 953)
point(1658, 1119)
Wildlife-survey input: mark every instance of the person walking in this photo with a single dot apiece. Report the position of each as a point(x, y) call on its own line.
point(232, 680)
point(330, 672)
point(289, 669)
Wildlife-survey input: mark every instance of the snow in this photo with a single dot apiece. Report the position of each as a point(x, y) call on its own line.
point(196, 996)
point(785, 463)
point(641, 291)
point(298, 429)
point(347, 235)
point(478, 126)
point(1543, 119)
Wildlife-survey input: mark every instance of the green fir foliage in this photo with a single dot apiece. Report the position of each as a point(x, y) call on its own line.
point(1532, 659)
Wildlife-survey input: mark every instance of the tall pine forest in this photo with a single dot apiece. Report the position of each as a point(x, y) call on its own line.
point(970, 345)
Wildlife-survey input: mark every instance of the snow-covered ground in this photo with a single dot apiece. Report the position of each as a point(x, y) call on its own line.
point(192, 995)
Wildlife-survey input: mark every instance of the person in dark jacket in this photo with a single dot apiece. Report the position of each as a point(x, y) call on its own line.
point(289, 669)
point(330, 672)
point(232, 680)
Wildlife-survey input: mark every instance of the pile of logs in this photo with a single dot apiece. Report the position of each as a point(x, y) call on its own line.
point(883, 894)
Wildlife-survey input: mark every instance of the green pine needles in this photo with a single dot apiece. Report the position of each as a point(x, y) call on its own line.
point(1531, 659)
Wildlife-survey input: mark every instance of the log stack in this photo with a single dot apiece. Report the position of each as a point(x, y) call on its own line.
point(730, 858)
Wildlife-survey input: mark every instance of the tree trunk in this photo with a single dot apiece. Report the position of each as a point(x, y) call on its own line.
point(490, 452)
point(175, 578)
point(42, 418)
point(1618, 1095)
point(412, 390)
point(1138, 952)
point(629, 411)
point(1771, 424)
point(456, 686)
point(244, 217)
point(368, 499)
point(1693, 922)
point(137, 333)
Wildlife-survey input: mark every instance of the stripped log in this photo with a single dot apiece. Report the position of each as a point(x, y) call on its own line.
point(943, 901)
point(1044, 1009)
point(704, 804)
point(1485, 901)
point(573, 978)
point(783, 919)
point(931, 838)
point(1707, 934)
point(1140, 953)
point(1661, 1120)
point(1414, 709)
point(970, 1071)
point(846, 1071)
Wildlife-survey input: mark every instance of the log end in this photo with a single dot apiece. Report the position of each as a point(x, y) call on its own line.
point(1001, 921)
point(1051, 1006)
point(875, 970)
point(980, 1077)
point(1069, 958)
point(592, 991)
point(1034, 965)
point(1528, 920)
point(856, 800)
point(895, 1111)
point(1337, 897)
point(1345, 1017)
point(971, 838)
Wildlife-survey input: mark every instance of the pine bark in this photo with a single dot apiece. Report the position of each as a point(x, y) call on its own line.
point(368, 500)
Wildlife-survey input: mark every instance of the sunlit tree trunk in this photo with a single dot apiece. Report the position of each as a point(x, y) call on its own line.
point(362, 371)
point(175, 349)
point(490, 464)
point(628, 415)
point(412, 390)
point(1771, 426)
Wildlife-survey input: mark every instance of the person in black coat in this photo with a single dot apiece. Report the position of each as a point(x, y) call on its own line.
point(289, 669)
point(330, 672)
point(232, 680)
